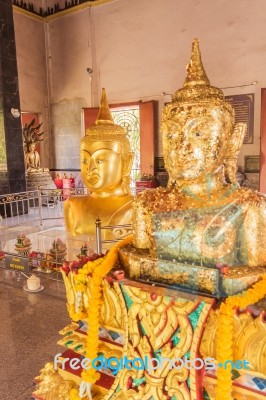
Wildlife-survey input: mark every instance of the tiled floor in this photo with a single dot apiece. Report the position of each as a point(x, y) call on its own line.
point(29, 325)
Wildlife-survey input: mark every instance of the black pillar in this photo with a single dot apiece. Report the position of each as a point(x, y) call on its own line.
point(9, 102)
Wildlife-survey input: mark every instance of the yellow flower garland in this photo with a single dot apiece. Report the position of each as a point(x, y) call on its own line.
point(74, 394)
point(99, 270)
point(75, 316)
point(225, 334)
point(80, 284)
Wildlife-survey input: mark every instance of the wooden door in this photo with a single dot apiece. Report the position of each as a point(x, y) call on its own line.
point(263, 143)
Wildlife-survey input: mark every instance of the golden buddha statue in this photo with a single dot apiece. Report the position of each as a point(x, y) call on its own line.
point(32, 159)
point(200, 219)
point(32, 136)
point(106, 163)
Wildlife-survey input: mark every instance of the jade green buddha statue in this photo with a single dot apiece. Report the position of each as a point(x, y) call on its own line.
point(200, 219)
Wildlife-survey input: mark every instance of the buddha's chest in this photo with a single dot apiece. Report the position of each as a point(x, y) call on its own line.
point(86, 210)
point(203, 236)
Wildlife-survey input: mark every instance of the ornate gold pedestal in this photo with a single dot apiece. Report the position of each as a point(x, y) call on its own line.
point(146, 321)
point(140, 320)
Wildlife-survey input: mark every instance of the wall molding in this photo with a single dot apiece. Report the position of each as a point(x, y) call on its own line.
point(60, 13)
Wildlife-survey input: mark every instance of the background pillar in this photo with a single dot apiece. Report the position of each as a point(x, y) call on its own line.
point(11, 142)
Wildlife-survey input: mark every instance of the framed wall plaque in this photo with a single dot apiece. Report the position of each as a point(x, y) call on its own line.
point(159, 164)
point(252, 164)
point(243, 104)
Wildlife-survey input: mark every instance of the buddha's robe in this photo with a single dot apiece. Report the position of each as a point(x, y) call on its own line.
point(228, 228)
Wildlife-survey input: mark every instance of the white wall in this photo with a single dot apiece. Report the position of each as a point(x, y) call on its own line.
point(31, 60)
point(139, 49)
point(70, 52)
point(70, 84)
point(32, 73)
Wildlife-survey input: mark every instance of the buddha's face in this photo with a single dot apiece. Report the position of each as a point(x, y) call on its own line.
point(194, 140)
point(101, 166)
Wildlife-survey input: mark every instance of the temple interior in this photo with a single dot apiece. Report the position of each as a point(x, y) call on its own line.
point(132, 199)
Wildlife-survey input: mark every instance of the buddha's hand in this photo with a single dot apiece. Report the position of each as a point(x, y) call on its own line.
point(85, 390)
point(78, 301)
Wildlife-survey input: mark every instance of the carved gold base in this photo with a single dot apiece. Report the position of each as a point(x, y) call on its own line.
point(50, 385)
point(141, 321)
point(140, 265)
point(152, 321)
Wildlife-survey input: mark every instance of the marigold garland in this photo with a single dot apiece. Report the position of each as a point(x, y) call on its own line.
point(75, 316)
point(74, 394)
point(225, 334)
point(98, 270)
point(78, 279)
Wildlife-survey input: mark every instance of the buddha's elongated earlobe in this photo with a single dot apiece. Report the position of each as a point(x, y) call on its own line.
point(235, 142)
point(127, 161)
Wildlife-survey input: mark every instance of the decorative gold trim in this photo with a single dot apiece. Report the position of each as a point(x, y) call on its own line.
point(62, 13)
point(194, 350)
point(28, 13)
point(76, 8)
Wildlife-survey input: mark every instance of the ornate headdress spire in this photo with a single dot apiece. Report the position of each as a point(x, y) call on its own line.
point(197, 85)
point(105, 130)
point(104, 115)
point(196, 74)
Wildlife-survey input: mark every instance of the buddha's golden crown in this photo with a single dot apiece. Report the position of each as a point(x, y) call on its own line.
point(104, 129)
point(197, 86)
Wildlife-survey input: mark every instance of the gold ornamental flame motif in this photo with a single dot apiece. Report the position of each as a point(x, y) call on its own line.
point(249, 339)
